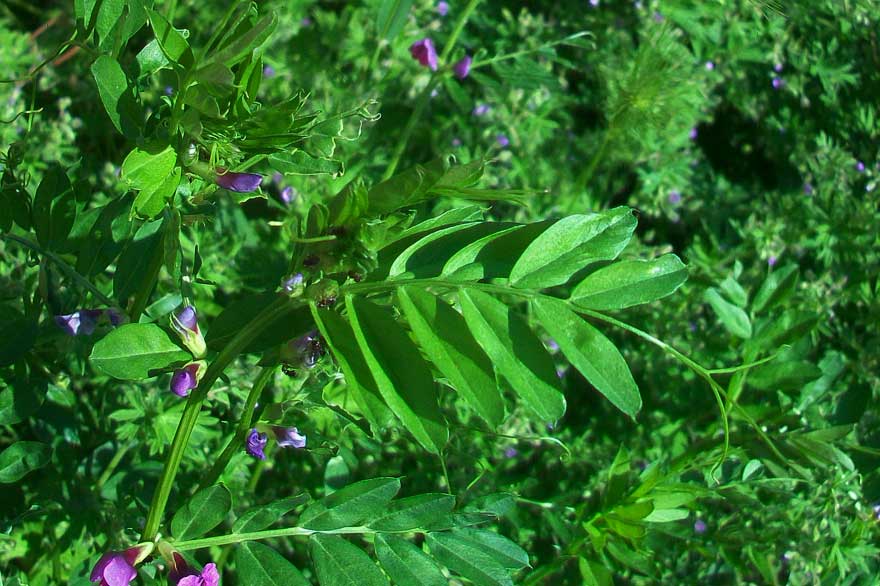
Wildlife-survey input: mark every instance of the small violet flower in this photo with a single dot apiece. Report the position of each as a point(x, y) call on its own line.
point(424, 52)
point(693, 133)
point(700, 526)
point(268, 71)
point(79, 323)
point(238, 182)
point(481, 110)
point(256, 443)
point(594, 3)
point(186, 324)
point(463, 67)
point(442, 8)
point(778, 68)
point(808, 188)
point(777, 82)
point(456, 142)
point(116, 568)
point(293, 284)
point(288, 437)
point(510, 453)
point(168, 90)
point(771, 262)
point(674, 197)
point(305, 350)
point(288, 194)
point(860, 167)
point(710, 65)
point(187, 378)
point(209, 576)
point(502, 140)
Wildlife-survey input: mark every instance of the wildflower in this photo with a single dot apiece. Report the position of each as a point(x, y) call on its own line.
point(502, 140)
point(424, 52)
point(693, 133)
point(293, 284)
point(268, 71)
point(481, 110)
point(710, 65)
point(305, 350)
point(594, 3)
point(209, 576)
point(777, 82)
point(510, 452)
point(560, 372)
point(860, 167)
point(169, 90)
point(658, 17)
point(777, 68)
point(808, 188)
point(186, 324)
point(463, 67)
point(442, 8)
point(288, 437)
point(277, 178)
point(674, 197)
point(116, 568)
point(771, 262)
point(287, 194)
point(306, 22)
point(700, 526)
point(187, 378)
point(238, 182)
point(182, 574)
point(552, 345)
point(82, 322)
point(256, 443)
point(116, 317)
point(456, 142)
point(876, 509)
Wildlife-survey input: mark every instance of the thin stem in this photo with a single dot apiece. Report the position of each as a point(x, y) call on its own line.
point(244, 424)
point(111, 467)
point(271, 534)
point(65, 268)
point(587, 174)
point(239, 342)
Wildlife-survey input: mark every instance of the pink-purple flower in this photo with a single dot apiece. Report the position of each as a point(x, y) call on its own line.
point(481, 110)
point(186, 324)
point(256, 443)
point(777, 82)
point(114, 569)
point(442, 8)
point(238, 182)
point(463, 67)
point(209, 576)
point(288, 437)
point(424, 52)
point(502, 140)
point(187, 378)
point(287, 194)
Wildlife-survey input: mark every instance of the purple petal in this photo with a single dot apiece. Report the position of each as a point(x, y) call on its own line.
point(289, 437)
point(268, 71)
point(481, 110)
point(424, 52)
point(183, 381)
point(463, 67)
point(188, 318)
point(210, 575)
point(256, 443)
point(502, 140)
point(113, 570)
point(238, 182)
point(69, 323)
point(442, 8)
point(287, 194)
point(191, 581)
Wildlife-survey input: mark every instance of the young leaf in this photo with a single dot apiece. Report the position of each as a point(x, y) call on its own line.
point(591, 353)
point(259, 565)
point(516, 353)
point(732, 317)
point(468, 559)
point(117, 96)
point(442, 334)
point(204, 511)
point(171, 40)
point(132, 351)
point(400, 372)
point(570, 244)
point(340, 563)
point(407, 564)
point(241, 46)
point(351, 505)
point(414, 512)
point(630, 282)
point(361, 385)
point(391, 18)
point(22, 458)
point(258, 518)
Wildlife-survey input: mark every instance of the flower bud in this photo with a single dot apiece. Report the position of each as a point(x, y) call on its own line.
point(187, 378)
point(186, 324)
point(424, 52)
point(116, 568)
point(288, 437)
point(238, 182)
point(463, 67)
point(256, 443)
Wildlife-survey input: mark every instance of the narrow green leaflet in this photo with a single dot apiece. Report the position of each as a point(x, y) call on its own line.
point(414, 512)
point(591, 353)
point(259, 565)
point(54, 208)
point(733, 318)
point(516, 353)
point(778, 286)
point(407, 564)
point(443, 335)
point(467, 255)
point(391, 18)
point(117, 96)
point(571, 244)
point(22, 458)
point(171, 40)
point(351, 505)
point(340, 563)
point(204, 511)
point(358, 379)
point(630, 282)
point(400, 372)
point(503, 550)
point(258, 518)
point(133, 351)
point(466, 558)
point(241, 46)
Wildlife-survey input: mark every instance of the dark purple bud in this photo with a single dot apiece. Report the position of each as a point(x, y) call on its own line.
point(287, 194)
point(256, 443)
point(268, 71)
point(700, 527)
point(288, 437)
point(463, 67)
point(169, 90)
point(188, 318)
point(502, 140)
point(116, 317)
point(238, 182)
point(777, 82)
point(442, 8)
point(481, 110)
point(186, 324)
point(424, 52)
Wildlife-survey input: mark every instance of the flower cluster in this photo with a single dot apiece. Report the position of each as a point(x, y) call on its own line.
point(285, 437)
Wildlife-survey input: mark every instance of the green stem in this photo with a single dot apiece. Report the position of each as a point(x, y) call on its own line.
point(65, 268)
point(271, 534)
point(111, 467)
point(587, 174)
point(236, 345)
point(423, 98)
point(244, 424)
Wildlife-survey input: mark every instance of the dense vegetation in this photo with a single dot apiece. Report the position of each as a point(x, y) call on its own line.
point(412, 292)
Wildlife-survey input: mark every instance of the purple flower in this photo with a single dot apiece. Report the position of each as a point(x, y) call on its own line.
point(502, 140)
point(700, 526)
point(777, 68)
point(305, 350)
point(560, 372)
point(82, 322)
point(168, 90)
point(187, 378)
point(658, 17)
point(442, 8)
point(456, 142)
point(772, 261)
point(238, 182)
point(594, 3)
point(777, 82)
point(306, 21)
point(674, 197)
point(876, 509)
point(693, 133)
point(268, 71)
point(808, 188)
point(481, 110)
point(293, 284)
point(186, 324)
point(116, 568)
point(116, 317)
point(860, 167)
point(288, 437)
point(424, 52)
point(287, 194)
point(256, 443)
point(552, 345)
point(710, 66)
point(510, 452)
point(209, 576)
point(463, 67)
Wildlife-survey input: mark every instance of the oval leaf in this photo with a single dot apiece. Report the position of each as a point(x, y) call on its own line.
point(630, 282)
point(340, 563)
point(132, 351)
point(259, 565)
point(467, 558)
point(351, 505)
point(204, 511)
point(21, 458)
point(407, 564)
point(414, 512)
